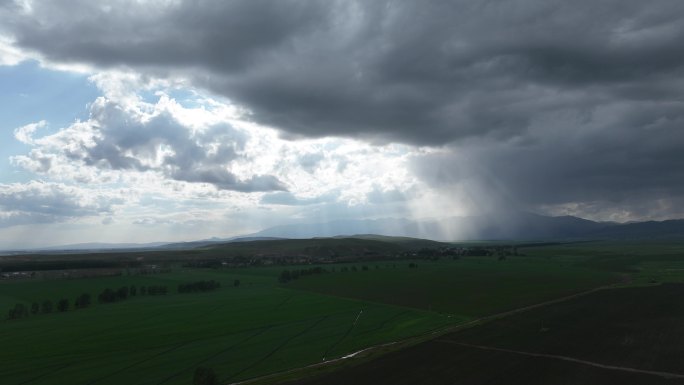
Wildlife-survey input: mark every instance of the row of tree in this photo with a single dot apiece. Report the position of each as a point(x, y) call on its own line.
point(110, 295)
point(289, 275)
point(345, 269)
point(21, 311)
point(194, 287)
point(84, 300)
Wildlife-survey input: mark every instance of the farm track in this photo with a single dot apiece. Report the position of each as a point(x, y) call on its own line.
point(666, 375)
point(535, 306)
point(334, 345)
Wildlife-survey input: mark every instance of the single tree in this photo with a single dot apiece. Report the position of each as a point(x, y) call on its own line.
point(285, 276)
point(46, 306)
point(106, 296)
point(18, 311)
point(82, 301)
point(122, 293)
point(63, 305)
point(205, 376)
point(236, 283)
point(35, 308)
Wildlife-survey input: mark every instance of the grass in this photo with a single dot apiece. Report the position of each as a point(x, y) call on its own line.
point(611, 256)
point(263, 327)
point(242, 332)
point(638, 327)
point(645, 262)
point(470, 287)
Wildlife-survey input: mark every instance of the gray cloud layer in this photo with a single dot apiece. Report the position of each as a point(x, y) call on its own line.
point(48, 203)
point(561, 102)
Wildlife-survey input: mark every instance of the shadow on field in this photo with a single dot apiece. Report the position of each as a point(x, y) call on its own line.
point(631, 336)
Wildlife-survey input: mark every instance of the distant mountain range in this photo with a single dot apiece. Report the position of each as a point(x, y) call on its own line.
point(502, 226)
point(103, 246)
point(213, 241)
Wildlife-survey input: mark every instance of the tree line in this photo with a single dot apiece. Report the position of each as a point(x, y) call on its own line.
point(289, 275)
point(47, 306)
point(83, 300)
point(108, 295)
point(198, 286)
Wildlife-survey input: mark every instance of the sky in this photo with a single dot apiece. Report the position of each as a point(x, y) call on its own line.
point(170, 120)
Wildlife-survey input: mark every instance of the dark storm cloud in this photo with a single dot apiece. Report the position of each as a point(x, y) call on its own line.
point(417, 72)
point(558, 101)
point(222, 35)
point(617, 172)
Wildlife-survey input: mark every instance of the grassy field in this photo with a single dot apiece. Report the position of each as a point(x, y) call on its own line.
point(264, 327)
point(640, 328)
point(645, 262)
point(254, 329)
point(469, 287)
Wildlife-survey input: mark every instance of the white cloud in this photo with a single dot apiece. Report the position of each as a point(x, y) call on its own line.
point(198, 162)
point(37, 202)
point(10, 55)
point(208, 144)
point(143, 137)
point(25, 133)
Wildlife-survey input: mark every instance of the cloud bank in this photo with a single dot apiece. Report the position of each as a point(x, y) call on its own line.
point(35, 203)
point(550, 106)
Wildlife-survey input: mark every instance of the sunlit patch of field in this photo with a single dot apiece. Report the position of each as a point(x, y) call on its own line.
point(240, 332)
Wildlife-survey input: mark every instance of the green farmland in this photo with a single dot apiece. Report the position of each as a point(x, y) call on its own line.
point(263, 327)
point(470, 287)
point(241, 332)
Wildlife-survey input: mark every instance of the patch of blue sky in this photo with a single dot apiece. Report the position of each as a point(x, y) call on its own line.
point(30, 93)
point(186, 98)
